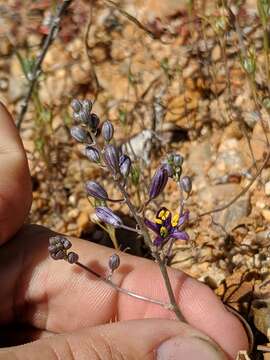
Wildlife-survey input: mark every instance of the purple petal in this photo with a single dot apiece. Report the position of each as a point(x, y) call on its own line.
point(179, 235)
point(151, 225)
point(159, 241)
point(184, 218)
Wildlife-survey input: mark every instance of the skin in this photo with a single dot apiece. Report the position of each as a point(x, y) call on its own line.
point(72, 315)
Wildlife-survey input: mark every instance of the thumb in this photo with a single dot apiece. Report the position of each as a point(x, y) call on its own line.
point(135, 339)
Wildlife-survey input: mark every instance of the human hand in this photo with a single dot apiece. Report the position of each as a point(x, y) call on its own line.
point(70, 312)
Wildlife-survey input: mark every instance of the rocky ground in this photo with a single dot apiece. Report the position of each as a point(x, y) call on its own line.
point(192, 79)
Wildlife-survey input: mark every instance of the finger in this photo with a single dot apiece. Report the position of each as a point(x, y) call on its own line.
point(147, 339)
point(15, 184)
point(47, 292)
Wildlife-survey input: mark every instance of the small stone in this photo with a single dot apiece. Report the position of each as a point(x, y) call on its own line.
point(216, 53)
point(267, 188)
point(266, 214)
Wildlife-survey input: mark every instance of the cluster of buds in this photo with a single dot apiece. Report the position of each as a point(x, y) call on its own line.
point(58, 249)
point(119, 165)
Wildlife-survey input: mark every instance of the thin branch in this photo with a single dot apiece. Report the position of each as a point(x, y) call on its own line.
point(134, 20)
point(35, 73)
point(122, 290)
point(88, 53)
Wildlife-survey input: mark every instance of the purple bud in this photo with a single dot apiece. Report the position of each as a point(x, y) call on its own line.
point(79, 134)
point(59, 255)
point(111, 158)
point(124, 165)
point(66, 243)
point(107, 131)
point(76, 105)
point(169, 169)
point(72, 257)
point(158, 182)
point(186, 184)
point(107, 216)
point(93, 121)
point(175, 160)
point(114, 262)
point(87, 105)
point(92, 154)
point(96, 190)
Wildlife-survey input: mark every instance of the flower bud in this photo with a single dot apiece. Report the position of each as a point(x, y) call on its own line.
point(87, 105)
point(92, 154)
point(124, 165)
point(169, 168)
point(175, 160)
point(79, 134)
point(96, 190)
point(72, 257)
point(107, 131)
point(111, 158)
point(114, 262)
point(158, 182)
point(76, 105)
point(107, 216)
point(93, 121)
point(186, 184)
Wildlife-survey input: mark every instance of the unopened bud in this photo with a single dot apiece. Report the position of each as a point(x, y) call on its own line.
point(124, 165)
point(72, 257)
point(96, 190)
point(114, 262)
point(111, 158)
point(158, 182)
point(107, 131)
point(79, 134)
point(107, 216)
point(92, 154)
point(76, 105)
point(186, 184)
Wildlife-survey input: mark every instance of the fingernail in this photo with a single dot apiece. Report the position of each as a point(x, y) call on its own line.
point(191, 348)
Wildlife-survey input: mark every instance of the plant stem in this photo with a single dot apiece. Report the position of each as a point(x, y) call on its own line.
point(123, 291)
point(35, 73)
point(162, 266)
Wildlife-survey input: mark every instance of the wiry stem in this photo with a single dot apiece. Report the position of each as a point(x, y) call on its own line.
point(122, 290)
point(35, 73)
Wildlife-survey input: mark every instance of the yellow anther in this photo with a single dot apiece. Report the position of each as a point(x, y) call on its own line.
point(175, 220)
point(158, 221)
point(163, 231)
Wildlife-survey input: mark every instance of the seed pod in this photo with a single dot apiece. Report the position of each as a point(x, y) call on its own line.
point(111, 158)
point(72, 257)
point(158, 182)
point(79, 134)
point(107, 216)
point(76, 105)
point(124, 165)
point(96, 190)
point(186, 184)
point(107, 131)
point(114, 262)
point(92, 154)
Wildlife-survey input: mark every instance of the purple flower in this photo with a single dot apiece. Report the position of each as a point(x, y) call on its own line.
point(97, 191)
point(158, 182)
point(167, 227)
point(107, 216)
